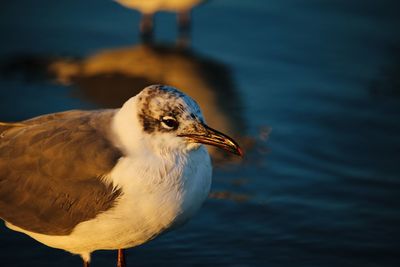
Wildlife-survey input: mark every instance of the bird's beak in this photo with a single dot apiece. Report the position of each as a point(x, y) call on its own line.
point(210, 136)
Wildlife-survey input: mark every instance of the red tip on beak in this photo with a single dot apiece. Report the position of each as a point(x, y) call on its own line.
point(240, 152)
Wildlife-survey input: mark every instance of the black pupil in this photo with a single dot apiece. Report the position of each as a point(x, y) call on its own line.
point(170, 122)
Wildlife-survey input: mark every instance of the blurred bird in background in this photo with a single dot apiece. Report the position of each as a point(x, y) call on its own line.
point(149, 7)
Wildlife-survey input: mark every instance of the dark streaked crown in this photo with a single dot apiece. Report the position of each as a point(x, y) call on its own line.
point(165, 109)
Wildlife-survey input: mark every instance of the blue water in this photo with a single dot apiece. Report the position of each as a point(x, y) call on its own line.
point(322, 189)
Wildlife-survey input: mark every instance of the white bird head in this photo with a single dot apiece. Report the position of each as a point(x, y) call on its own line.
point(167, 120)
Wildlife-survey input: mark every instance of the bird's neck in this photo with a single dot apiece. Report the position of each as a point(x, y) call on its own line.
point(126, 128)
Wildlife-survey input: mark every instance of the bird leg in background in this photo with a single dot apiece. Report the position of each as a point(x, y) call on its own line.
point(146, 27)
point(184, 22)
point(121, 258)
point(184, 26)
point(85, 263)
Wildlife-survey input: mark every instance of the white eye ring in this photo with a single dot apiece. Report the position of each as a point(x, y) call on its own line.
point(169, 122)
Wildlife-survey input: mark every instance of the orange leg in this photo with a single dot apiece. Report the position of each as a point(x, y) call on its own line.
point(121, 258)
point(146, 27)
point(184, 25)
point(184, 22)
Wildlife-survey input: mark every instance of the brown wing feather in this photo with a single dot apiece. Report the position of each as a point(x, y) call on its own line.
point(50, 168)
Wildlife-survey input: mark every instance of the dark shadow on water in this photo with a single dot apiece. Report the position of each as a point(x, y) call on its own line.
point(26, 68)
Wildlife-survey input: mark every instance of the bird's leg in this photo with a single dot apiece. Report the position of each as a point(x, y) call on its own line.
point(184, 25)
point(121, 258)
point(86, 259)
point(146, 27)
point(184, 21)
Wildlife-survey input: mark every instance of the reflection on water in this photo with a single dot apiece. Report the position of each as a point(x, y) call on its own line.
point(108, 78)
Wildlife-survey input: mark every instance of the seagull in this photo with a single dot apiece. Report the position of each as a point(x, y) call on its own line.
point(108, 179)
point(149, 7)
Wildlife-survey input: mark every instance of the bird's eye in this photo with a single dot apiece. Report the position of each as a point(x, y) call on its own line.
point(169, 122)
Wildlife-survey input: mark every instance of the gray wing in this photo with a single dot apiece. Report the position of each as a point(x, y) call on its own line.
point(50, 168)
